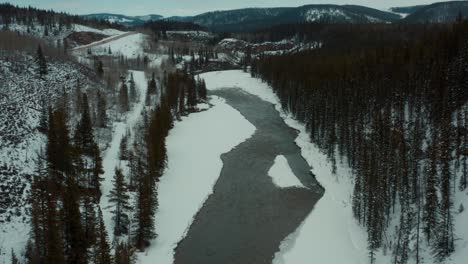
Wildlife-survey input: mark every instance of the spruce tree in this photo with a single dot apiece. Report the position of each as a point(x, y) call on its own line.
point(76, 246)
point(102, 248)
point(123, 97)
point(118, 198)
point(152, 88)
point(101, 110)
point(14, 259)
point(41, 62)
point(84, 137)
point(123, 254)
point(132, 92)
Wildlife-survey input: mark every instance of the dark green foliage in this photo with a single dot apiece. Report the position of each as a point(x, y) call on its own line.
point(102, 247)
point(124, 254)
point(76, 249)
point(118, 198)
point(101, 110)
point(41, 62)
point(99, 68)
point(123, 97)
point(14, 259)
point(87, 150)
point(132, 90)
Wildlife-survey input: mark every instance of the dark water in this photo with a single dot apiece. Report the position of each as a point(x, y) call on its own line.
point(247, 216)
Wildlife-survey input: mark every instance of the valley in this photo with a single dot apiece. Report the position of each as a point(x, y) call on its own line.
point(320, 133)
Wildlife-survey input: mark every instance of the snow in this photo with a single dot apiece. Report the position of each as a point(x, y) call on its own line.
point(317, 14)
point(111, 157)
point(130, 45)
point(194, 146)
point(107, 32)
point(282, 175)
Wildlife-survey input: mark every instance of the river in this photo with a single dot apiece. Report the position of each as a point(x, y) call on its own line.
point(247, 216)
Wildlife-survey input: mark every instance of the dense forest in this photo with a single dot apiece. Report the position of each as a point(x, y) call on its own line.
point(393, 105)
point(167, 25)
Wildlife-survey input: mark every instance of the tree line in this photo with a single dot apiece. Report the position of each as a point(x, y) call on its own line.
point(396, 112)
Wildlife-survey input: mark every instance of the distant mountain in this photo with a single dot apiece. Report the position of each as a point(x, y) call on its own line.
point(406, 9)
point(256, 18)
point(443, 12)
point(129, 21)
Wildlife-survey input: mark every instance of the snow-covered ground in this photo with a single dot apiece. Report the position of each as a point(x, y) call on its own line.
point(282, 175)
point(130, 45)
point(111, 157)
point(191, 175)
point(107, 31)
point(330, 234)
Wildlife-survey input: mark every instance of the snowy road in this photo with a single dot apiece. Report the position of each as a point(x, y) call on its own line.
point(247, 216)
point(103, 41)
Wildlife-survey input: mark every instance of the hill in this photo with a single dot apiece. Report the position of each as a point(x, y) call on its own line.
point(129, 21)
point(443, 12)
point(249, 19)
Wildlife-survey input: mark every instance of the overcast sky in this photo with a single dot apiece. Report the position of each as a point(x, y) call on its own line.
point(189, 7)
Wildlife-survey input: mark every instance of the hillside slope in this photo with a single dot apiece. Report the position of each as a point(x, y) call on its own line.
point(443, 12)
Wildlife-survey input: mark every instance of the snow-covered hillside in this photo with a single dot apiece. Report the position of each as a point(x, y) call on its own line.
point(130, 45)
point(59, 32)
point(23, 96)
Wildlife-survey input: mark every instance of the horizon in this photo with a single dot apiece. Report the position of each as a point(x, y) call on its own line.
point(190, 7)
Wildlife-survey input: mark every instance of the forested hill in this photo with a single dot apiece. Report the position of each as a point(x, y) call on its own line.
point(255, 18)
point(396, 112)
point(443, 12)
point(10, 14)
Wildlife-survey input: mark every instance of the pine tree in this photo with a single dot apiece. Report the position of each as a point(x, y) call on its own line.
point(123, 149)
point(41, 62)
point(76, 246)
point(43, 124)
point(133, 92)
point(145, 207)
point(102, 248)
point(123, 97)
point(54, 252)
point(99, 69)
point(14, 259)
point(152, 88)
point(123, 254)
point(101, 110)
point(118, 198)
point(84, 137)
point(89, 221)
point(88, 149)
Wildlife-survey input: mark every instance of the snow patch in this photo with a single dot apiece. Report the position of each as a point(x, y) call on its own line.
point(282, 174)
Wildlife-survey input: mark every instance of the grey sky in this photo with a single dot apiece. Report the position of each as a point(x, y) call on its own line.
point(189, 7)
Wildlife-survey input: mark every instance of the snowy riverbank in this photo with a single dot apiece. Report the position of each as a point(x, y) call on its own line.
point(195, 146)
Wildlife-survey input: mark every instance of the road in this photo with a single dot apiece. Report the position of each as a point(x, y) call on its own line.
point(103, 41)
point(247, 216)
